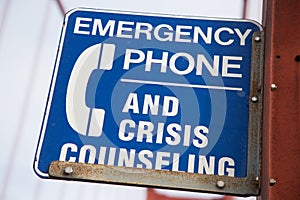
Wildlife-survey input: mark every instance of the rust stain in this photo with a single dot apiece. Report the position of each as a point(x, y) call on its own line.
point(148, 178)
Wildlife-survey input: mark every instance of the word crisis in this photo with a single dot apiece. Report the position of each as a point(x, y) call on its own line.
point(158, 133)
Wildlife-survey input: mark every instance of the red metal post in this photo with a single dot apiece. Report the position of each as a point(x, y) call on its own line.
point(61, 7)
point(153, 195)
point(245, 6)
point(281, 134)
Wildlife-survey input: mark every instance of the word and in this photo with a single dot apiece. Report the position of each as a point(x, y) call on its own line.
point(149, 132)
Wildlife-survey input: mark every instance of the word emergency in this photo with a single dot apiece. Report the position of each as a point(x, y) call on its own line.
point(161, 32)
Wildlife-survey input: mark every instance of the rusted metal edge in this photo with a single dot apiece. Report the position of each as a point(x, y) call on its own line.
point(148, 177)
point(255, 109)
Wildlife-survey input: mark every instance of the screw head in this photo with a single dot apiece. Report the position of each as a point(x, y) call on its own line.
point(254, 99)
point(272, 181)
point(257, 180)
point(257, 39)
point(220, 184)
point(273, 86)
point(68, 170)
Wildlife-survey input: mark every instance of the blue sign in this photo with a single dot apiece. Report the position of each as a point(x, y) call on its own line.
point(150, 91)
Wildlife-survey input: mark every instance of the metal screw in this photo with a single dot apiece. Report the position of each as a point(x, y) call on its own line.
point(273, 86)
point(272, 181)
point(257, 180)
point(254, 99)
point(257, 39)
point(220, 184)
point(68, 170)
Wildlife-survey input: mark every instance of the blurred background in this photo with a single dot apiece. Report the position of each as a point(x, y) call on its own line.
point(29, 37)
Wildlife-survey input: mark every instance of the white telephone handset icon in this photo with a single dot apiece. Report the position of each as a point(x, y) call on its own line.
point(83, 119)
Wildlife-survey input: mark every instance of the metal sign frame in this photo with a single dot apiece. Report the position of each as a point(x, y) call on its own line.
point(250, 185)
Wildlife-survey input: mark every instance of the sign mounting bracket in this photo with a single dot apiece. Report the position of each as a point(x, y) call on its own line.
point(148, 178)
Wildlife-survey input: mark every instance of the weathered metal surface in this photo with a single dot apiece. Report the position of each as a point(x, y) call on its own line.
point(281, 149)
point(255, 117)
point(167, 179)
